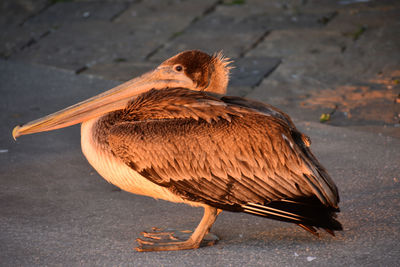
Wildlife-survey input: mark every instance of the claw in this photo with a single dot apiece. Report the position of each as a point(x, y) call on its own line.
point(142, 241)
point(157, 235)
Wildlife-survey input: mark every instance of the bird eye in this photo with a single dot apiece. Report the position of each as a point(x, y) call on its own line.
point(178, 68)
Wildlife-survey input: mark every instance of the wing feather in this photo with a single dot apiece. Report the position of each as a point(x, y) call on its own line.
point(211, 161)
point(222, 151)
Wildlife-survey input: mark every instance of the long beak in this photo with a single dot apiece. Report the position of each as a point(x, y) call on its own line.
point(111, 100)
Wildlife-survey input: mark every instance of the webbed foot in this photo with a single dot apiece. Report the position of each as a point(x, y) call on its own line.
point(158, 240)
point(170, 239)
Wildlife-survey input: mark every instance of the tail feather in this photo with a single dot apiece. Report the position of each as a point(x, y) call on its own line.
point(309, 229)
point(332, 233)
point(308, 213)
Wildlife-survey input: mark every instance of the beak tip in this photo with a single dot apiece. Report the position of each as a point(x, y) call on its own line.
point(15, 132)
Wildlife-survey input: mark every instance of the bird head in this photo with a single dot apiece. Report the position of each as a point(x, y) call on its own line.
point(207, 73)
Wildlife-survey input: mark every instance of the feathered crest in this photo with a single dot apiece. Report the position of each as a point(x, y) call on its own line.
point(221, 73)
point(225, 62)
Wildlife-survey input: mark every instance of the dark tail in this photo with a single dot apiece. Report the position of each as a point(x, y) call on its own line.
point(306, 212)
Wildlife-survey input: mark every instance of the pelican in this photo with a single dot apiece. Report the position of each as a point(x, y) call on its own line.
point(171, 134)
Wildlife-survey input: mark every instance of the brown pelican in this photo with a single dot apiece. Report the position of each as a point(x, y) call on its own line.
point(170, 134)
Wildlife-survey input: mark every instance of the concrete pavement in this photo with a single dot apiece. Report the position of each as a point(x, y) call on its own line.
point(305, 57)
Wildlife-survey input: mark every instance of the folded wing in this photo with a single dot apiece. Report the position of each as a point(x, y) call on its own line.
point(229, 153)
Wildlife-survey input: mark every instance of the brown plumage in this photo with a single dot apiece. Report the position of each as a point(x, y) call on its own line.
point(173, 138)
point(216, 151)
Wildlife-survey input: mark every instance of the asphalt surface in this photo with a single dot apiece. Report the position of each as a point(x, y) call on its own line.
point(55, 210)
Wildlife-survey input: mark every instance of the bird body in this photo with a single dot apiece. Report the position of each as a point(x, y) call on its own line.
point(172, 135)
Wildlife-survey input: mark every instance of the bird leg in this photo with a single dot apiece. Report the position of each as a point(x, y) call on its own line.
point(180, 240)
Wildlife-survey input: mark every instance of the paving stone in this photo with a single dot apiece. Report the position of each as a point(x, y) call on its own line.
point(13, 34)
point(120, 69)
point(250, 71)
point(294, 21)
point(376, 42)
point(281, 14)
point(220, 23)
point(70, 34)
point(323, 83)
point(130, 37)
point(71, 46)
point(67, 12)
point(271, 8)
point(251, 7)
point(351, 102)
point(356, 74)
point(160, 19)
point(16, 12)
point(332, 52)
point(213, 33)
point(350, 19)
point(286, 87)
point(164, 15)
point(233, 30)
point(14, 38)
point(17, 36)
point(288, 43)
point(316, 61)
point(232, 45)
